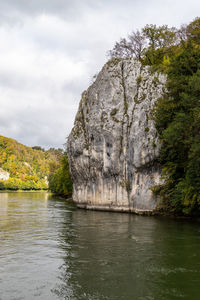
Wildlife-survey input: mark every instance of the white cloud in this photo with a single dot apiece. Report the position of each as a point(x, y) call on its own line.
point(49, 51)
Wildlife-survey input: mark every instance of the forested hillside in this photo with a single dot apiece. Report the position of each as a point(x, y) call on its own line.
point(28, 167)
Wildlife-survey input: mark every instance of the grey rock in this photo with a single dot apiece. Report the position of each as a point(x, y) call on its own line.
point(4, 175)
point(113, 146)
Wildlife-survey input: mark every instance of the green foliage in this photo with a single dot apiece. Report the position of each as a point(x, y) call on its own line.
point(60, 179)
point(113, 112)
point(159, 37)
point(28, 167)
point(193, 31)
point(139, 79)
point(177, 119)
point(161, 45)
point(153, 45)
point(38, 148)
point(126, 184)
point(18, 184)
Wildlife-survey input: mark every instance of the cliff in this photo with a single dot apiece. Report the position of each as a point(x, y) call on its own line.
point(113, 147)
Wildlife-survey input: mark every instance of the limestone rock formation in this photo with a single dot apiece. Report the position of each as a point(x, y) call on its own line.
point(4, 175)
point(113, 147)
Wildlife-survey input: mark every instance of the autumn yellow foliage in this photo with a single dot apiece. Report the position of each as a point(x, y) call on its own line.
point(28, 167)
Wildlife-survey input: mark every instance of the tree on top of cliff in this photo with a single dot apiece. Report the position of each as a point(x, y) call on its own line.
point(193, 31)
point(177, 117)
point(131, 47)
point(149, 45)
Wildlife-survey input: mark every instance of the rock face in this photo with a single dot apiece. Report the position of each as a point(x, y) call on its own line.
point(4, 175)
point(113, 147)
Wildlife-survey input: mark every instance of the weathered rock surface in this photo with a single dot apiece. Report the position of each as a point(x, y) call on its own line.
point(4, 175)
point(113, 147)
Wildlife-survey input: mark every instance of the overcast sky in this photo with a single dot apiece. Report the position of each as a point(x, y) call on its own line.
point(50, 50)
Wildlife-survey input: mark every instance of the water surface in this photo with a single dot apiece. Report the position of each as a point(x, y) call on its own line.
point(51, 250)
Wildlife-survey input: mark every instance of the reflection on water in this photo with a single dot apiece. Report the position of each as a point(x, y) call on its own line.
point(51, 250)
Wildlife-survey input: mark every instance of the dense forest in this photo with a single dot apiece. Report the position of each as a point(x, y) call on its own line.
point(175, 52)
point(59, 177)
point(28, 167)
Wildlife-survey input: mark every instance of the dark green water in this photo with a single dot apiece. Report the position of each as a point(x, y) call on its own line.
point(51, 250)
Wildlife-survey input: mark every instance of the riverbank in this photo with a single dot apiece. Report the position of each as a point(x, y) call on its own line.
point(25, 191)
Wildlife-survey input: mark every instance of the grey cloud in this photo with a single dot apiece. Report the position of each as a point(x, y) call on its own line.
point(66, 7)
point(50, 49)
point(37, 126)
point(35, 6)
point(12, 80)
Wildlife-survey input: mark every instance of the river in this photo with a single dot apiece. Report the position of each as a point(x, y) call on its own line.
point(51, 250)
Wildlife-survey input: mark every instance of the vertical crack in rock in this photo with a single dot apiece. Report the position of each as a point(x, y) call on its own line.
point(113, 146)
point(125, 133)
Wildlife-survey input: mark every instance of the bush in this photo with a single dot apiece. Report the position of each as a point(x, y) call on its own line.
point(60, 180)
